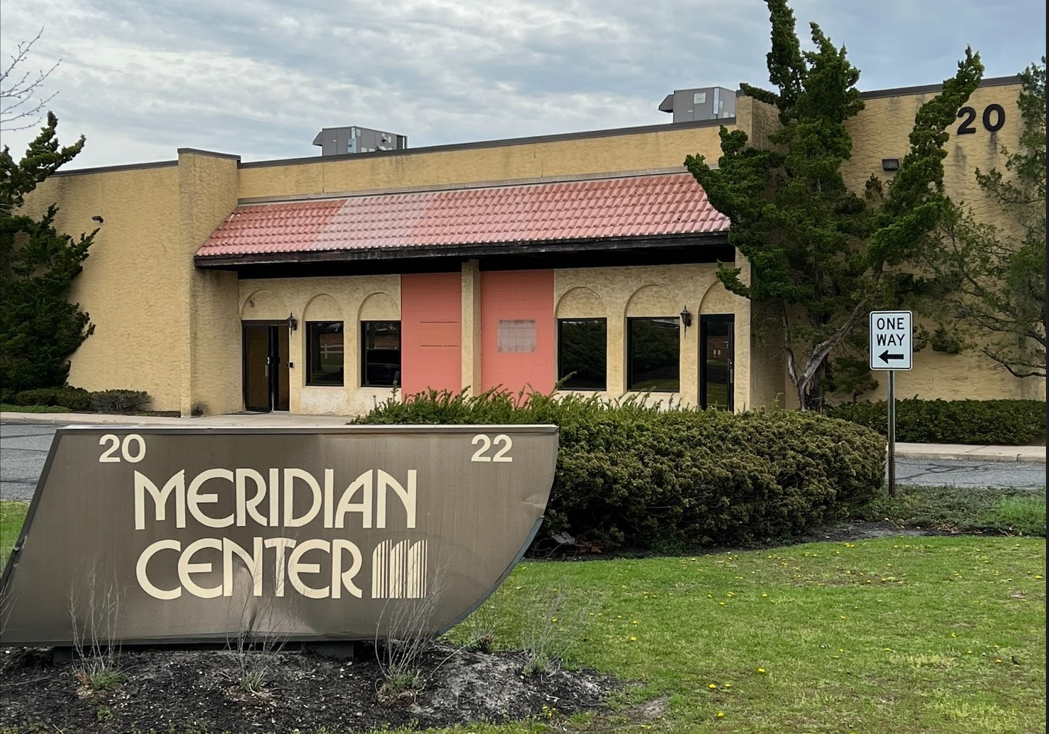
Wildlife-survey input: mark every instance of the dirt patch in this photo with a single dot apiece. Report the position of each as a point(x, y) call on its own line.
point(837, 532)
point(203, 690)
point(848, 531)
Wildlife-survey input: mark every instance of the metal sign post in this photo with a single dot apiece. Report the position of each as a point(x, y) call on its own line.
point(891, 411)
point(891, 349)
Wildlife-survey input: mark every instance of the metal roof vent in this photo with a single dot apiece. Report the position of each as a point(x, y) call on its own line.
point(345, 140)
point(701, 103)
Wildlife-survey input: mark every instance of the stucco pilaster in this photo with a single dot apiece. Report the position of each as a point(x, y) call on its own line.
point(471, 326)
point(208, 349)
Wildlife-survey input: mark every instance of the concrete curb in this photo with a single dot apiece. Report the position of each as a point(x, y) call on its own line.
point(964, 452)
point(1004, 454)
point(84, 419)
point(267, 420)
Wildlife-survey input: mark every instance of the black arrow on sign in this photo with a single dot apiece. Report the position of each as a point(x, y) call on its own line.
point(885, 356)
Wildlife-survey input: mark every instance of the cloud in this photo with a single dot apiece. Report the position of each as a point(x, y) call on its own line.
point(260, 78)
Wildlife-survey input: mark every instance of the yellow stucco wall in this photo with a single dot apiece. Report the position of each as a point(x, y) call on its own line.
point(969, 375)
point(952, 377)
point(161, 325)
point(881, 130)
point(210, 354)
point(166, 327)
point(657, 290)
point(512, 161)
point(128, 284)
point(769, 384)
point(758, 119)
point(350, 299)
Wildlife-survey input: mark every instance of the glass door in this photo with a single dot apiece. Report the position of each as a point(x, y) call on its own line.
point(716, 354)
point(266, 361)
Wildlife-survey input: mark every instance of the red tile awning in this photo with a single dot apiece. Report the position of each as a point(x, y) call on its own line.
point(653, 206)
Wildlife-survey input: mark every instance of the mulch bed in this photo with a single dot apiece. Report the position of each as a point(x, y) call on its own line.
point(200, 690)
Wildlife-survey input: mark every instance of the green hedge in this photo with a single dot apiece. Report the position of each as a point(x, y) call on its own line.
point(79, 400)
point(76, 399)
point(999, 422)
point(640, 477)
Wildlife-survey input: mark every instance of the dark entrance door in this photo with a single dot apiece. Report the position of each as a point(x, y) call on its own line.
point(716, 354)
point(266, 384)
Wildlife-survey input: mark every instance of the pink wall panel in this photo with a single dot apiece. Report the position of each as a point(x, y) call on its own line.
point(517, 330)
point(431, 336)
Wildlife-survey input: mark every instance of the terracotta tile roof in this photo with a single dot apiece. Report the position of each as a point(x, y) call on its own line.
point(640, 206)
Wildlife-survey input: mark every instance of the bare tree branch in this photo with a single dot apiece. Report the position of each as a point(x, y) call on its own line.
point(21, 99)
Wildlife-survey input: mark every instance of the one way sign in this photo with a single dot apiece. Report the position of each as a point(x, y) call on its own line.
point(890, 340)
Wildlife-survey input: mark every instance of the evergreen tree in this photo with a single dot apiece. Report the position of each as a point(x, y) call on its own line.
point(39, 327)
point(821, 256)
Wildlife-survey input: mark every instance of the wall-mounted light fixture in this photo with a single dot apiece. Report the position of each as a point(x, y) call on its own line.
point(686, 318)
point(293, 323)
point(890, 164)
point(97, 218)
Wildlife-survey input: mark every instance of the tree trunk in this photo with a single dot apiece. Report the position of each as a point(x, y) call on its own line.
point(810, 389)
point(802, 389)
point(809, 381)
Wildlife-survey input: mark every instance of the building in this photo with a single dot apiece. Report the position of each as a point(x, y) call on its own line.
point(314, 285)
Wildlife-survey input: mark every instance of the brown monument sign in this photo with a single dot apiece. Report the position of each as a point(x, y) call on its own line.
point(152, 535)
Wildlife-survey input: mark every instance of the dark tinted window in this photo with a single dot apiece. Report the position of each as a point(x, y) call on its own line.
point(381, 353)
point(582, 350)
point(653, 354)
point(324, 353)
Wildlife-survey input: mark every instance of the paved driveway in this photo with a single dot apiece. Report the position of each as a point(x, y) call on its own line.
point(24, 446)
point(23, 450)
point(956, 473)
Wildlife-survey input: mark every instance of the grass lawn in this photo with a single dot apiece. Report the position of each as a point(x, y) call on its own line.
point(889, 635)
point(1014, 511)
point(12, 514)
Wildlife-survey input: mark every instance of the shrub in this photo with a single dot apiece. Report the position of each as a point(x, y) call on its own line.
point(30, 409)
point(629, 475)
point(120, 401)
point(74, 398)
point(1000, 422)
point(39, 396)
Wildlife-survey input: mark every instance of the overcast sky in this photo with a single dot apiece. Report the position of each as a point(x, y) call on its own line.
point(260, 78)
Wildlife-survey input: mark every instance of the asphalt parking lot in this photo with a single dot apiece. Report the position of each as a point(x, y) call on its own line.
point(23, 451)
point(975, 474)
point(24, 447)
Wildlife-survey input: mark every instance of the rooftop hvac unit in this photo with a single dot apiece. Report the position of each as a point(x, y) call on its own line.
point(344, 140)
point(702, 103)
